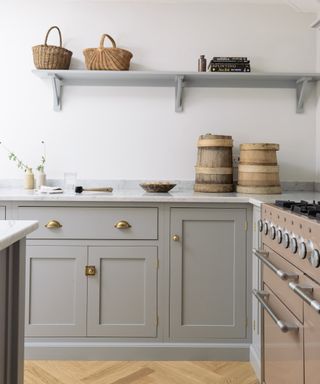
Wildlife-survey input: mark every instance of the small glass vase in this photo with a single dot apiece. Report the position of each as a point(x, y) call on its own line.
point(29, 179)
point(42, 179)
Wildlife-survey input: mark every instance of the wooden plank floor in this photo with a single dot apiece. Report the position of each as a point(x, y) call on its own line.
point(141, 372)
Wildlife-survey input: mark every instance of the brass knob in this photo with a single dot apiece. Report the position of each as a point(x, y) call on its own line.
point(176, 238)
point(90, 270)
point(122, 225)
point(53, 224)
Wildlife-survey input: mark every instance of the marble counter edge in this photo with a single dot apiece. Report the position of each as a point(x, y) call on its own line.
point(20, 196)
point(12, 231)
point(133, 198)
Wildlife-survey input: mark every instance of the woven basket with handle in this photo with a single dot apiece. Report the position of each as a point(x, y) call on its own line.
point(112, 59)
point(51, 56)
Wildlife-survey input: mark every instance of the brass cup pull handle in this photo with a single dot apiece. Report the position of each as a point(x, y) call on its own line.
point(53, 224)
point(176, 238)
point(122, 224)
point(90, 270)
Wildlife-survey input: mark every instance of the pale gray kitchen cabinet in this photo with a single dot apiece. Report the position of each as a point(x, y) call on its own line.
point(208, 273)
point(2, 213)
point(122, 296)
point(56, 290)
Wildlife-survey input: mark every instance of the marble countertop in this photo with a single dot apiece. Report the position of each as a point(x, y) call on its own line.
point(139, 196)
point(12, 231)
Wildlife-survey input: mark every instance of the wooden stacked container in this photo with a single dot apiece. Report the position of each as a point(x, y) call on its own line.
point(214, 165)
point(258, 169)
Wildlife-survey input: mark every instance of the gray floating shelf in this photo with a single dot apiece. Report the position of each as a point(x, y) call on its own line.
point(179, 80)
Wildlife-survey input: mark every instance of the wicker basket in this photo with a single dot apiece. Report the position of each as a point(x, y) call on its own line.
point(110, 59)
point(50, 56)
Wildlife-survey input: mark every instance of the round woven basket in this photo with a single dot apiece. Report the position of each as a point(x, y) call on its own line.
point(51, 56)
point(107, 59)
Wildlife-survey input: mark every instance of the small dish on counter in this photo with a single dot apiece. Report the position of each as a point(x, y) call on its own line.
point(157, 186)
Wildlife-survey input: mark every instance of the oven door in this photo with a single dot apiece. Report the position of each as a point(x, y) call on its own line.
point(282, 341)
point(309, 292)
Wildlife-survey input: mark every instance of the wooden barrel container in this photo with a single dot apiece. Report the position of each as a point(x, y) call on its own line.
point(214, 165)
point(258, 169)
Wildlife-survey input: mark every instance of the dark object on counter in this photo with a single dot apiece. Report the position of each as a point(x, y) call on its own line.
point(157, 186)
point(202, 64)
point(51, 56)
point(229, 64)
point(81, 189)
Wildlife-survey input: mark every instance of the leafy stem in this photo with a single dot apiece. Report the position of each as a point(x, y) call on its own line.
point(12, 156)
point(40, 167)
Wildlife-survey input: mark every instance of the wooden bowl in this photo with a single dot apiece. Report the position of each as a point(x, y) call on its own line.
point(157, 186)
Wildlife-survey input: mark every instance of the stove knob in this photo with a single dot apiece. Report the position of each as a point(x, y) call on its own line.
point(260, 225)
point(265, 228)
point(302, 250)
point(315, 258)
point(272, 232)
point(293, 245)
point(279, 236)
point(286, 240)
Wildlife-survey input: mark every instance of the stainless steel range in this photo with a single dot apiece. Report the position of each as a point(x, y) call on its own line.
point(290, 296)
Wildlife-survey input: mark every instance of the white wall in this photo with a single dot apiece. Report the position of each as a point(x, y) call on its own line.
point(318, 110)
point(132, 133)
point(318, 114)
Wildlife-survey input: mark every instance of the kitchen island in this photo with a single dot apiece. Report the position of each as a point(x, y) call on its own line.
point(12, 291)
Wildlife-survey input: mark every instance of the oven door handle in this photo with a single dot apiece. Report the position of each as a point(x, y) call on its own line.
point(305, 293)
point(284, 327)
point(262, 256)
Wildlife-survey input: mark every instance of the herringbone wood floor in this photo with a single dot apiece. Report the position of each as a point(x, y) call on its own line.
point(141, 372)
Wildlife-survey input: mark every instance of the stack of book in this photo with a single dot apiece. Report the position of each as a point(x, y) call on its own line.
point(230, 64)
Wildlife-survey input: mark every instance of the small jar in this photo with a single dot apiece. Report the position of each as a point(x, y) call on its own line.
point(29, 179)
point(202, 64)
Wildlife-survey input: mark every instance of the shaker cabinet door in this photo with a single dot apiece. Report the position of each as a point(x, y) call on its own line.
point(208, 273)
point(122, 296)
point(56, 299)
point(2, 213)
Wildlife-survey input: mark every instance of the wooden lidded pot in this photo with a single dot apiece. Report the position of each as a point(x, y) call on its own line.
point(214, 171)
point(258, 169)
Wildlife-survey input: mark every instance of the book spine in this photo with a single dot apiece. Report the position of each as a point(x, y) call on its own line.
point(229, 66)
point(229, 62)
point(228, 59)
point(244, 69)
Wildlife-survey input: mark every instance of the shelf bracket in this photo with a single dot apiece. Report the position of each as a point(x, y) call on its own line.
point(301, 87)
point(179, 85)
point(57, 92)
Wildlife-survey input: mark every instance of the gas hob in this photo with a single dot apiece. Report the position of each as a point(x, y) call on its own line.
point(311, 210)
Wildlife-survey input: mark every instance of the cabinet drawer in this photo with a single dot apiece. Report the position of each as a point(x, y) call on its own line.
point(281, 287)
point(283, 352)
point(93, 223)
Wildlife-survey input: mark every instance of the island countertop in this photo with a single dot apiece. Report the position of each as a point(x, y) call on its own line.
point(12, 231)
point(139, 196)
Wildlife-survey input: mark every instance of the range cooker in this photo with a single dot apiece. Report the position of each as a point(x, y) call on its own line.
point(290, 295)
